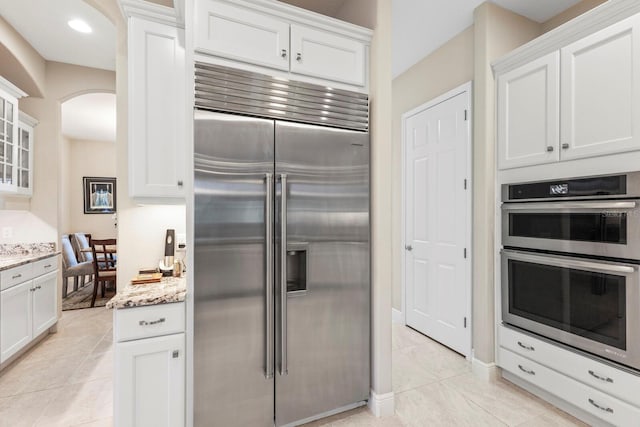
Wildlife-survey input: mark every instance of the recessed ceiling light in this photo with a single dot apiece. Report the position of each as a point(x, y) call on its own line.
point(80, 26)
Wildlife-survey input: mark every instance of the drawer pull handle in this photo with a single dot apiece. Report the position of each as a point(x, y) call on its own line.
point(37, 287)
point(605, 379)
point(48, 266)
point(17, 276)
point(602, 408)
point(526, 371)
point(526, 347)
point(153, 322)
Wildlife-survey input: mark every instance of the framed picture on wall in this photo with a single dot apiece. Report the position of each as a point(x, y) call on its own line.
point(99, 195)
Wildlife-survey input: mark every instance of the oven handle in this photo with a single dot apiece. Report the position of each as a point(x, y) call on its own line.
point(569, 205)
point(570, 262)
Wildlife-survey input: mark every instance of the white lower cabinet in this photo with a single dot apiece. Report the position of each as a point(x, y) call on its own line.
point(149, 380)
point(15, 319)
point(28, 308)
point(606, 392)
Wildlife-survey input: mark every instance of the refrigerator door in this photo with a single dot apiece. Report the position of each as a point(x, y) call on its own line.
point(322, 322)
point(233, 342)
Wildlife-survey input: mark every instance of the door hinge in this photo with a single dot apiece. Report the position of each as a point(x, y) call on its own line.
point(465, 115)
point(465, 253)
point(465, 322)
point(465, 183)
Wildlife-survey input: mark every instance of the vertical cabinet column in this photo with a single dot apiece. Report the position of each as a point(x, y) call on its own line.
point(157, 113)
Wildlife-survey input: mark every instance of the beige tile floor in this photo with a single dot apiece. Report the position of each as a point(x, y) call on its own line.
point(434, 386)
point(66, 381)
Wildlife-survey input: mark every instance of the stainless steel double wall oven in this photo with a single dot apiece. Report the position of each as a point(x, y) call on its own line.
point(570, 263)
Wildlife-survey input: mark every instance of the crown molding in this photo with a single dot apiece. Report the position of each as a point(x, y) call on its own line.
point(152, 12)
point(590, 22)
point(11, 89)
point(27, 119)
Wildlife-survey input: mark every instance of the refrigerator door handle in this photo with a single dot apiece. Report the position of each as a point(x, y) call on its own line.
point(268, 346)
point(283, 275)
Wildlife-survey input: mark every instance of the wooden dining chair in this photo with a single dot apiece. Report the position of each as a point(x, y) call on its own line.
point(104, 265)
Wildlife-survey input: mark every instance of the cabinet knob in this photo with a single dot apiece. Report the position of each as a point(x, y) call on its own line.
point(565, 146)
point(298, 57)
point(283, 53)
point(549, 148)
point(176, 354)
point(180, 183)
point(409, 248)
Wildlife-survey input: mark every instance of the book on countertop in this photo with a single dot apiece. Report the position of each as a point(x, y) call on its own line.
point(145, 278)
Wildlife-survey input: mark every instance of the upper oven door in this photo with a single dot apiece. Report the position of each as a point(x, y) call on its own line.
point(601, 228)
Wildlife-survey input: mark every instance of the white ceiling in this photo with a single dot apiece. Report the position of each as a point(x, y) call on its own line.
point(43, 23)
point(422, 26)
point(90, 117)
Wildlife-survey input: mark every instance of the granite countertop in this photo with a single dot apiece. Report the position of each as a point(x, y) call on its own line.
point(14, 255)
point(170, 289)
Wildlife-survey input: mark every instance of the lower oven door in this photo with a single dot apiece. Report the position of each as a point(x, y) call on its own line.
point(608, 228)
point(591, 305)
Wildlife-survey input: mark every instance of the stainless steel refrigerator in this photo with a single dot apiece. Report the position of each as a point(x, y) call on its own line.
point(282, 282)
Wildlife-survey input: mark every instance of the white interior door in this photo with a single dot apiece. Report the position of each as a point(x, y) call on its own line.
point(437, 202)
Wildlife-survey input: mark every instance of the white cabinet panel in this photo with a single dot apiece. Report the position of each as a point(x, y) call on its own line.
point(156, 110)
point(45, 302)
point(328, 56)
point(150, 382)
point(601, 92)
point(150, 321)
point(15, 319)
point(15, 275)
point(528, 108)
point(586, 398)
point(238, 33)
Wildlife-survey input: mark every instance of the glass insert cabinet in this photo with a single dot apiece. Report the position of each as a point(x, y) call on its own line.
point(16, 142)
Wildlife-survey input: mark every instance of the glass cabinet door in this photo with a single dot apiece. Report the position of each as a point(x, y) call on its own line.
point(24, 160)
point(7, 142)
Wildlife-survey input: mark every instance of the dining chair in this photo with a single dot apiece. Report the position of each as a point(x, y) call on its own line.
point(72, 268)
point(81, 244)
point(104, 265)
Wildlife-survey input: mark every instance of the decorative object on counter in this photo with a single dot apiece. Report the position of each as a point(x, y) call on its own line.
point(166, 264)
point(99, 195)
point(146, 278)
point(19, 249)
point(170, 289)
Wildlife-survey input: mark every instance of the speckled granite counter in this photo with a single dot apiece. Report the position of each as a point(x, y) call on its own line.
point(171, 289)
point(14, 255)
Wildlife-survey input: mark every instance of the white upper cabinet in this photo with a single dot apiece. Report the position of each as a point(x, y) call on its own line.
point(590, 110)
point(601, 92)
point(157, 127)
point(329, 56)
point(25, 147)
point(242, 34)
point(528, 106)
point(295, 43)
point(9, 95)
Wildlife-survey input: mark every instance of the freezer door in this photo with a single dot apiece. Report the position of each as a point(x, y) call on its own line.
point(233, 342)
point(322, 322)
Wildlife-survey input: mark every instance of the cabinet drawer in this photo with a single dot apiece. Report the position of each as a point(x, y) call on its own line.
point(15, 275)
point(586, 398)
point(150, 321)
point(606, 378)
point(45, 266)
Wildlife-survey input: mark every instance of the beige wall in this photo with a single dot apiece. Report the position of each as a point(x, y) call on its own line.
point(88, 158)
point(569, 14)
point(446, 68)
point(20, 63)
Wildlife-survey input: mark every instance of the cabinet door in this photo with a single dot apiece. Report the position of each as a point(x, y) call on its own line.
point(45, 302)
point(241, 34)
point(157, 110)
point(24, 164)
point(150, 382)
point(15, 319)
point(528, 108)
point(328, 56)
point(8, 137)
point(601, 92)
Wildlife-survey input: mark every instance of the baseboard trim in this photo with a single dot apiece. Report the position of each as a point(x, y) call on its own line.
point(396, 316)
point(381, 405)
point(485, 371)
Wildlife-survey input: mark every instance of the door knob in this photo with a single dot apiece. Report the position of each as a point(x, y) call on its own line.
point(409, 248)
